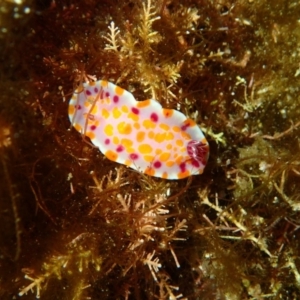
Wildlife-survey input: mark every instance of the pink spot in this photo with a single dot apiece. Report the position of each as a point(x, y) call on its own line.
point(96, 90)
point(88, 92)
point(157, 164)
point(93, 127)
point(78, 106)
point(120, 148)
point(182, 167)
point(135, 110)
point(107, 141)
point(107, 94)
point(133, 156)
point(116, 99)
point(154, 117)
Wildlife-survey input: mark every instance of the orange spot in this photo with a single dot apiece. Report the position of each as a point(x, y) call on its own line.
point(179, 143)
point(87, 103)
point(179, 160)
point(164, 156)
point(168, 112)
point(124, 128)
point(91, 100)
point(71, 110)
point(145, 149)
point(158, 151)
point(140, 136)
point(169, 136)
point(127, 143)
point(176, 128)
point(104, 83)
point(137, 125)
point(92, 83)
point(169, 146)
point(105, 113)
point(164, 126)
point(128, 162)
point(79, 90)
point(185, 135)
point(119, 91)
point(184, 174)
point(151, 134)
point(116, 140)
point(78, 127)
point(90, 134)
point(150, 171)
point(94, 110)
point(109, 130)
point(160, 137)
point(144, 103)
point(148, 124)
point(124, 109)
point(111, 155)
point(148, 158)
point(131, 150)
point(133, 116)
point(164, 175)
point(116, 113)
point(170, 163)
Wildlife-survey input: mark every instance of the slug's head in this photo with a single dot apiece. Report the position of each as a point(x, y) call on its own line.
point(198, 151)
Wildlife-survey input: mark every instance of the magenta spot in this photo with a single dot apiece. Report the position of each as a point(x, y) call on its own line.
point(135, 110)
point(107, 141)
point(120, 148)
point(78, 106)
point(93, 127)
point(185, 126)
point(182, 167)
point(116, 99)
point(154, 117)
point(195, 163)
point(96, 90)
point(107, 94)
point(133, 156)
point(157, 164)
point(88, 92)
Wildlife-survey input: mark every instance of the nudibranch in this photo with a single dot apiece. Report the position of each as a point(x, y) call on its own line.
point(139, 134)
